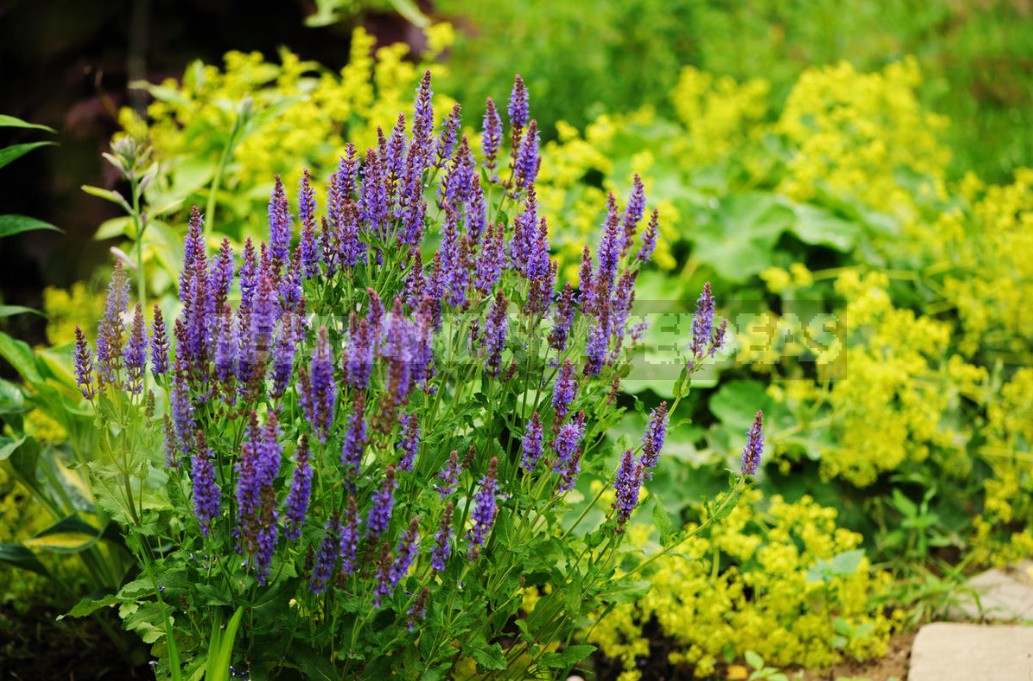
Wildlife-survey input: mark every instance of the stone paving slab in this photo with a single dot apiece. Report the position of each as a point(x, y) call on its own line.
point(1004, 595)
point(948, 651)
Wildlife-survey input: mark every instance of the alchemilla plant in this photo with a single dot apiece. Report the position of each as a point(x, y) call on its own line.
point(359, 444)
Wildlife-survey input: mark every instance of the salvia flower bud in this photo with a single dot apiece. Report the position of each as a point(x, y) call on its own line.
point(485, 509)
point(626, 487)
point(653, 439)
point(326, 556)
point(159, 344)
point(83, 365)
point(206, 490)
point(301, 488)
point(565, 389)
point(532, 443)
point(383, 503)
point(443, 540)
point(449, 475)
point(751, 454)
point(350, 537)
point(135, 353)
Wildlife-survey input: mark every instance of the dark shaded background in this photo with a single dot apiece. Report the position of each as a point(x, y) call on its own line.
point(67, 63)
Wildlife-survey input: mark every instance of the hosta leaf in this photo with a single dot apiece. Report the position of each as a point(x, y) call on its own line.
point(20, 556)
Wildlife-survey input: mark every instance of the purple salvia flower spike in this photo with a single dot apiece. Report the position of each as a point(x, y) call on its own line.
point(565, 389)
point(488, 267)
point(395, 159)
point(358, 357)
point(449, 134)
point(423, 120)
point(83, 365)
point(491, 137)
point(563, 317)
point(284, 345)
point(754, 450)
point(384, 586)
point(409, 441)
point(443, 540)
point(633, 212)
point(405, 552)
point(319, 404)
point(111, 330)
point(532, 443)
point(354, 436)
point(135, 354)
point(350, 537)
point(301, 487)
point(449, 475)
point(586, 282)
point(194, 259)
point(567, 441)
point(207, 499)
point(159, 344)
point(181, 407)
point(702, 323)
point(649, 238)
point(308, 247)
point(279, 224)
point(495, 328)
point(485, 509)
point(609, 251)
point(455, 276)
point(476, 210)
point(383, 503)
point(373, 201)
point(222, 278)
point(326, 556)
point(653, 439)
point(418, 611)
point(248, 276)
point(519, 109)
point(719, 337)
point(626, 487)
point(528, 160)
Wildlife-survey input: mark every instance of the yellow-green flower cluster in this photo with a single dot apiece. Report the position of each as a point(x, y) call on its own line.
point(289, 116)
point(850, 134)
point(898, 372)
point(754, 580)
point(987, 253)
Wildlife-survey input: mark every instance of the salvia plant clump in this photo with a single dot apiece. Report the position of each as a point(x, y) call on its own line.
point(366, 433)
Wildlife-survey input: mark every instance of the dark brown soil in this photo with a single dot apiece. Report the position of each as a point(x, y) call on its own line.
point(35, 646)
point(893, 665)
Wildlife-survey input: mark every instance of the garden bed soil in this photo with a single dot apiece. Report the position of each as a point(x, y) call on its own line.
point(35, 646)
point(893, 665)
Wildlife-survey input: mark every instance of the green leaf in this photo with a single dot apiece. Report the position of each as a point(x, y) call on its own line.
point(626, 591)
point(16, 224)
point(754, 660)
point(107, 195)
point(12, 122)
point(570, 656)
point(488, 657)
point(12, 401)
point(739, 239)
point(841, 565)
point(662, 519)
point(736, 403)
point(9, 154)
point(12, 310)
point(113, 228)
point(68, 535)
point(19, 355)
point(20, 556)
point(820, 227)
point(88, 606)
